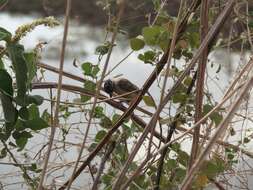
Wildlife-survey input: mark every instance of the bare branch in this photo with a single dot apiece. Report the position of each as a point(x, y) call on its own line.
point(56, 120)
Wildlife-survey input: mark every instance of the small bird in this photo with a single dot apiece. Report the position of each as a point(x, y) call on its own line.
point(121, 86)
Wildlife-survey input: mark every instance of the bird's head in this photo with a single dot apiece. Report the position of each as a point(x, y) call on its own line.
point(108, 87)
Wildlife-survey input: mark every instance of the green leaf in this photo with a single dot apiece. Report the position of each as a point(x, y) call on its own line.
point(36, 124)
point(176, 147)
point(90, 69)
point(137, 44)
point(179, 98)
point(4, 34)
point(156, 35)
point(115, 118)
point(19, 125)
point(183, 157)
point(21, 142)
point(98, 112)
point(90, 86)
point(46, 116)
point(207, 108)
point(127, 130)
point(10, 112)
point(216, 118)
point(3, 153)
point(100, 135)
point(26, 134)
point(107, 179)
point(95, 70)
point(187, 81)
point(33, 112)
point(92, 147)
point(35, 99)
point(87, 68)
point(157, 5)
point(211, 168)
point(105, 122)
point(246, 140)
point(23, 134)
point(140, 181)
point(151, 34)
point(103, 49)
point(171, 164)
point(31, 60)
point(147, 57)
point(163, 39)
point(16, 53)
point(179, 174)
point(230, 156)
point(193, 39)
point(135, 127)
point(148, 101)
point(34, 168)
point(121, 152)
point(6, 82)
point(188, 54)
point(23, 113)
point(85, 98)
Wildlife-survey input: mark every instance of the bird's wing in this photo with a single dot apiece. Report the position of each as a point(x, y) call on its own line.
point(126, 86)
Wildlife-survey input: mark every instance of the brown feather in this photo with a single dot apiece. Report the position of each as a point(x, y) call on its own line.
point(123, 86)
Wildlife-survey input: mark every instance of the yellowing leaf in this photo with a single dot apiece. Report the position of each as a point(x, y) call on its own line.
point(148, 101)
point(201, 181)
point(170, 26)
point(183, 44)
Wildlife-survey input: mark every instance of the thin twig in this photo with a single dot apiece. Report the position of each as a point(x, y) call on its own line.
point(247, 25)
point(172, 48)
point(29, 181)
point(121, 61)
point(64, 73)
point(56, 120)
point(102, 165)
point(217, 184)
point(172, 128)
point(114, 35)
point(220, 129)
point(200, 80)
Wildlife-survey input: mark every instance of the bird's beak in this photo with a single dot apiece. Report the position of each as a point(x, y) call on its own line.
point(110, 95)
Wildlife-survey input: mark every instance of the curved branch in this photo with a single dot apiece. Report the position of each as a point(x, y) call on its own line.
point(82, 91)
